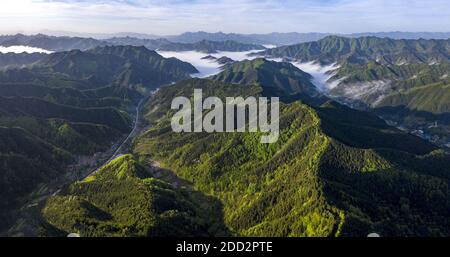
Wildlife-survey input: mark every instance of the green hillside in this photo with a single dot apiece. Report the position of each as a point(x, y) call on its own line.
point(123, 199)
point(122, 65)
point(434, 98)
point(316, 180)
point(403, 76)
point(270, 75)
point(334, 49)
point(82, 103)
point(8, 60)
point(26, 161)
point(425, 107)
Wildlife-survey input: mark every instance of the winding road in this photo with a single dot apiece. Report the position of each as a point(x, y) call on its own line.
point(119, 149)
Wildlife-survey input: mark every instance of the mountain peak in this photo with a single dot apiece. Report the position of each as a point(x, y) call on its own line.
point(270, 75)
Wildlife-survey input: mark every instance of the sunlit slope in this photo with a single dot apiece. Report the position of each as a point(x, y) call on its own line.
point(276, 76)
point(123, 199)
point(333, 172)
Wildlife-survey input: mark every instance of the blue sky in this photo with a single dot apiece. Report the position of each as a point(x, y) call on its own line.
point(164, 17)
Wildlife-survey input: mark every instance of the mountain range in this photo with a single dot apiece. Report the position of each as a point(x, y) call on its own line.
point(277, 38)
point(338, 169)
point(65, 41)
point(401, 80)
point(316, 180)
point(59, 44)
point(67, 107)
point(334, 49)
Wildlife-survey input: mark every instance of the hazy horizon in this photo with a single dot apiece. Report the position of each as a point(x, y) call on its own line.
point(171, 17)
point(131, 33)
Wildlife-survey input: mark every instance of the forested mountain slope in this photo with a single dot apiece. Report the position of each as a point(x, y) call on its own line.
point(124, 199)
point(271, 75)
point(335, 49)
point(317, 179)
point(77, 103)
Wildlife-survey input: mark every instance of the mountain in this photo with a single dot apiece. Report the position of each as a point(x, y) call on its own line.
point(422, 109)
point(224, 60)
point(26, 161)
point(221, 60)
point(151, 44)
point(270, 75)
point(404, 35)
point(122, 65)
point(206, 46)
point(412, 96)
point(274, 38)
point(334, 49)
point(290, 38)
point(193, 37)
point(380, 74)
point(51, 43)
point(433, 98)
point(370, 83)
point(8, 60)
point(99, 36)
point(77, 106)
point(125, 199)
point(316, 180)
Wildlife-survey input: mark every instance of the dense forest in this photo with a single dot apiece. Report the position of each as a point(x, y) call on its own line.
point(317, 180)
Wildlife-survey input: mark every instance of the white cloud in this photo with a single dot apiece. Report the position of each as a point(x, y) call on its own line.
point(245, 16)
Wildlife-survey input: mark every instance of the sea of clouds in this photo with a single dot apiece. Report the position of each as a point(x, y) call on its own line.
point(321, 74)
point(22, 49)
point(206, 67)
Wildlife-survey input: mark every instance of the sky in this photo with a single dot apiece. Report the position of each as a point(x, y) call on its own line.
point(169, 17)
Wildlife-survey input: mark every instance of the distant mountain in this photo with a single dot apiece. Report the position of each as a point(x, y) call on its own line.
point(290, 38)
point(99, 36)
point(151, 44)
point(123, 65)
point(206, 46)
point(224, 60)
point(209, 57)
point(404, 35)
point(59, 41)
point(18, 60)
point(51, 43)
point(193, 37)
point(270, 75)
point(333, 49)
point(277, 38)
point(274, 38)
